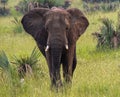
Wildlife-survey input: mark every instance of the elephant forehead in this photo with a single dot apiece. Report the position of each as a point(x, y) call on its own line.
point(57, 13)
point(61, 10)
point(56, 25)
point(55, 18)
point(58, 17)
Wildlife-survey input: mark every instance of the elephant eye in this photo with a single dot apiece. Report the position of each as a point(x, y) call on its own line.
point(67, 28)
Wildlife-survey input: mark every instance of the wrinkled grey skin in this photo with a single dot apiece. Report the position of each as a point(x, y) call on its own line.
point(56, 32)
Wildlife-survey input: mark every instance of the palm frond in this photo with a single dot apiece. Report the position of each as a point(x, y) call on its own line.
point(4, 62)
point(34, 56)
point(108, 26)
point(27, 63)
point(31, 60)
point(107, 31)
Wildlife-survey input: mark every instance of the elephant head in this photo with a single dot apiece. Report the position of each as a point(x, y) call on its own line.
point(56, 32)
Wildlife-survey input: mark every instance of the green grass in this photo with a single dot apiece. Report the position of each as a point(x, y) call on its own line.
point(97, 73)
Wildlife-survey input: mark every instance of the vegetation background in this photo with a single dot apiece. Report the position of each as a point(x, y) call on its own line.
point(97, 73)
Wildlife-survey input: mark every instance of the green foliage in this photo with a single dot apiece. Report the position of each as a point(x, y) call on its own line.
point(30, 60)
point(93, 1)
point(52, 2)
point(4, 1)
point(106, 34)
point(107, 31)
point(4, 62)
point(3, 9)
point(56, 2)
point(109, 35)
point(22, 6)
point(17, 25)
point(27, 64)
point(105, 7)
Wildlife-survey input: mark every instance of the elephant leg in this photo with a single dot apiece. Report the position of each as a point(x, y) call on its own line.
point(69, 64)
point(65, 71)
point(65, 68)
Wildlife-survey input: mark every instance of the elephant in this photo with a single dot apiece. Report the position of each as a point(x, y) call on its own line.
point(56, 32)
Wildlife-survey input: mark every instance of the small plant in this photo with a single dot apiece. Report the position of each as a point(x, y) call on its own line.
point(107, 32)
point(17, 25)
point(26, 64)
point(109, 36)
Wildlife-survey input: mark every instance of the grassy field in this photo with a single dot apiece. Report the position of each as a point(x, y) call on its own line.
point(97, 73)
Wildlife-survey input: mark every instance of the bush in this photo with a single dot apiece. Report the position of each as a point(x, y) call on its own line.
point(93, 1)
point(23, 6)
point(4, 12)
point(105, 7)
point(27, 64)
point(109, 36)
point(3, 9)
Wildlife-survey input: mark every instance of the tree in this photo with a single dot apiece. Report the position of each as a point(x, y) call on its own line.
point(107, 1)
point(4, 3)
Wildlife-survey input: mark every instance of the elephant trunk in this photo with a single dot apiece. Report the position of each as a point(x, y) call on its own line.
point(56, 61)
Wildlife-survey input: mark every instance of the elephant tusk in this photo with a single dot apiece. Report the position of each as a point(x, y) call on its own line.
point(47, 48)
point(66, 46)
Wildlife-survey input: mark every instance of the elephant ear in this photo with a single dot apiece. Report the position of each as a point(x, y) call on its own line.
point(79, 23)
point(33, 23)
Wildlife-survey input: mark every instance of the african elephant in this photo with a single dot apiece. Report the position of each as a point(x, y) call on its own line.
point(56, 31)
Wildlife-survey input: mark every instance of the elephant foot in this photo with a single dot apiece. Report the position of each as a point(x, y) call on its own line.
point(57, 86)
point(68, 79)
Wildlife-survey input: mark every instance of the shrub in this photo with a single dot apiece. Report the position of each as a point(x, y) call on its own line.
point(27, 64)
point(3, 9)
point(109, 36)
point(22, 6)
point(105, 7)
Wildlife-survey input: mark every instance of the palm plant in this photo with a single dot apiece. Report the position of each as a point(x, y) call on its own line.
point(107, 31)
point(109, 36)
point(4, 62)
point(26, 64)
